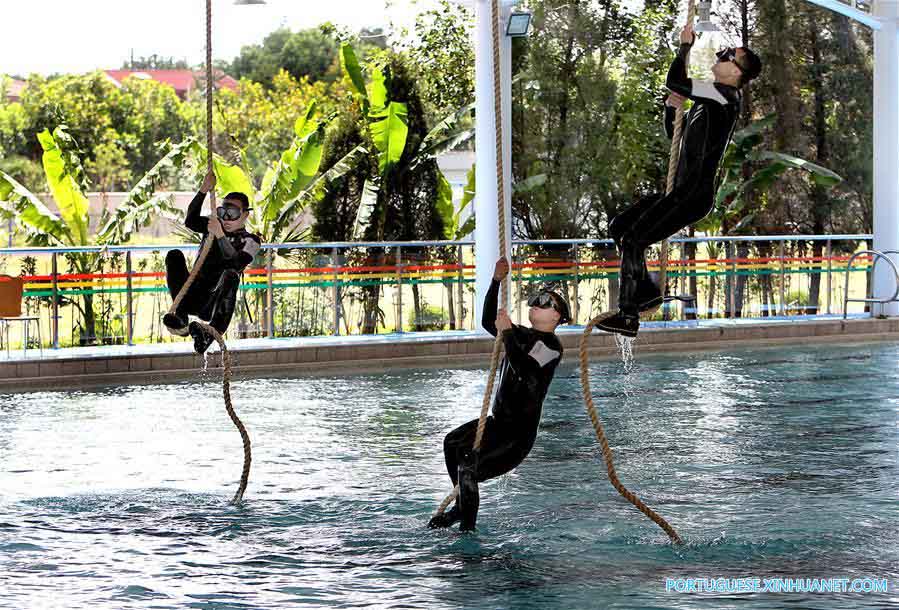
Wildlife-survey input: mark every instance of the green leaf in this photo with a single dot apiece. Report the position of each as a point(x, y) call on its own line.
point(826, 176)
point(444, 206)
point(70, 199)
point(389, 135)
point(367, 205)
point(529, 184)
point(377, 92)
point(468, 193)
point(231, 178)
point(142, 203)
point(42, 227)
point(305, 125)
point(353, 70)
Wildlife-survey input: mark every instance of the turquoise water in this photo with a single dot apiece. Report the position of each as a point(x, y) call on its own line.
point(770, 463)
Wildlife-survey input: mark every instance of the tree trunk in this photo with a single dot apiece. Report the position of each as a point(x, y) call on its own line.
point(820, 199)
point(416, 304)
point(740, 288)
point(370, 297)
point(448, 286)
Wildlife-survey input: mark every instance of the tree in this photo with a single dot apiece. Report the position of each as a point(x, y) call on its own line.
point(155, 62)
point(308, 53)
point(405, 197)
point(68, 183)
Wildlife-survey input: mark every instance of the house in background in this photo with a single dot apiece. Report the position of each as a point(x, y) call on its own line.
point(182, 81)
point(14, 88)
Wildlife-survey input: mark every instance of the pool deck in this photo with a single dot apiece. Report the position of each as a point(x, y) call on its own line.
point(108, 365)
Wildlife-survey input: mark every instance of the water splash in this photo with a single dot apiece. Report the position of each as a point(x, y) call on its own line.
point(626, 349)
point(205, 361)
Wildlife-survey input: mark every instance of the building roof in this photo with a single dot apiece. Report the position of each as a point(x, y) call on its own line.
point(182, 81)
point(14, 88)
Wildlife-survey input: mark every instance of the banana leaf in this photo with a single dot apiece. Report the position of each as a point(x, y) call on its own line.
point(67, 192)
point(42, 227)
point(389, 135)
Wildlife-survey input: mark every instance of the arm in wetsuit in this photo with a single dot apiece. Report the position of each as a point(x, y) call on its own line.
point(670, 113)
point(195, 221)
point(698, 91)
point(488, 315)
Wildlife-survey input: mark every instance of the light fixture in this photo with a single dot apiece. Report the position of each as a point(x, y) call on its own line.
point(246, 2)
point(705, 18)
point(519, 23)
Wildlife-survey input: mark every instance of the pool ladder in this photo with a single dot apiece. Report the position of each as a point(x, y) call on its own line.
point(877, 255)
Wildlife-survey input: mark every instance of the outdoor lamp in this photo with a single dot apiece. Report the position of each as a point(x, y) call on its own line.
point(519, 23)
point(705, 22)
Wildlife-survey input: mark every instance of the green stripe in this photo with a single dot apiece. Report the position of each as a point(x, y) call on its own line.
point(66, 292)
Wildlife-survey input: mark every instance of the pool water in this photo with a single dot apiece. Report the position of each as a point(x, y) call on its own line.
point(769, 463)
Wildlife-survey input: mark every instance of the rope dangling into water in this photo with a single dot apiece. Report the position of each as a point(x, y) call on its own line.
point(204, 251)
point(673, 161)
point(226, 391)
point(501, 214)
point(601, 437)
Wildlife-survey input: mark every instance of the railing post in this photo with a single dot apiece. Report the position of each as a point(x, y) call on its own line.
point(269, 295)
point(783, 305)
point(574, 309)
point(129, 299)
point(399, 289)
point(54, 320)
point(731, 253)
point(829, 274)
point(335, 291)
point(517, 295)
point(461, 289)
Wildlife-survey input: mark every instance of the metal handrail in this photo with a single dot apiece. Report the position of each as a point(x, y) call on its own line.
point(422, 244)
point(877, 256)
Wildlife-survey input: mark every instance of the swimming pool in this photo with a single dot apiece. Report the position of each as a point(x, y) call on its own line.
point(770, 463)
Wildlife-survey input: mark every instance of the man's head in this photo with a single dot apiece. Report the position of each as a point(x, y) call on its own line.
point(547, 310)
point(233, 211)
point(737, 67)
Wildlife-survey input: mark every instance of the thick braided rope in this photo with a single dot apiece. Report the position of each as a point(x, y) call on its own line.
point(673, 162)
point(207, 243)
point(501, 214)
point(226, 391)
point(601, 437)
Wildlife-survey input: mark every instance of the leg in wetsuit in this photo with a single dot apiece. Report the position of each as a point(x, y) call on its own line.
point(651, 220)
point(502, 450)
point(208, 299)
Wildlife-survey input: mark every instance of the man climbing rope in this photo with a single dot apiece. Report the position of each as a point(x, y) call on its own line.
point(708, 128)
point(532, 355)
point(213, 294)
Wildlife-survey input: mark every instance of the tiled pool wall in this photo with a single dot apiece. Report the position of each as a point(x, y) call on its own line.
point(110, 365)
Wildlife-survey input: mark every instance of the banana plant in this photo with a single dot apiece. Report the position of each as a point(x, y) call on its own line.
point(387, 122)
point(730, 201)
point(70, 227)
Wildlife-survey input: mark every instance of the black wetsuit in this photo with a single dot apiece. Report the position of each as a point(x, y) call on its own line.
point(213, 294)
point(524, 377)
point(708, 128)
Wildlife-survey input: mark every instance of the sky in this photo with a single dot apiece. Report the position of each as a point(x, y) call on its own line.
point(50, 36)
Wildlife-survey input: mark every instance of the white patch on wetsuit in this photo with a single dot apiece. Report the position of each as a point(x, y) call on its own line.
point(708, 90)
point(542, 354)
point(250, 246)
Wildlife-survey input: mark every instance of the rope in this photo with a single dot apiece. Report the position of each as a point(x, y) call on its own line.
point(201, 257)
point(628, 495)
point(501, 214)
point(673, 162)
point(226, 391)
point(207, 243)
point(601, 437)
